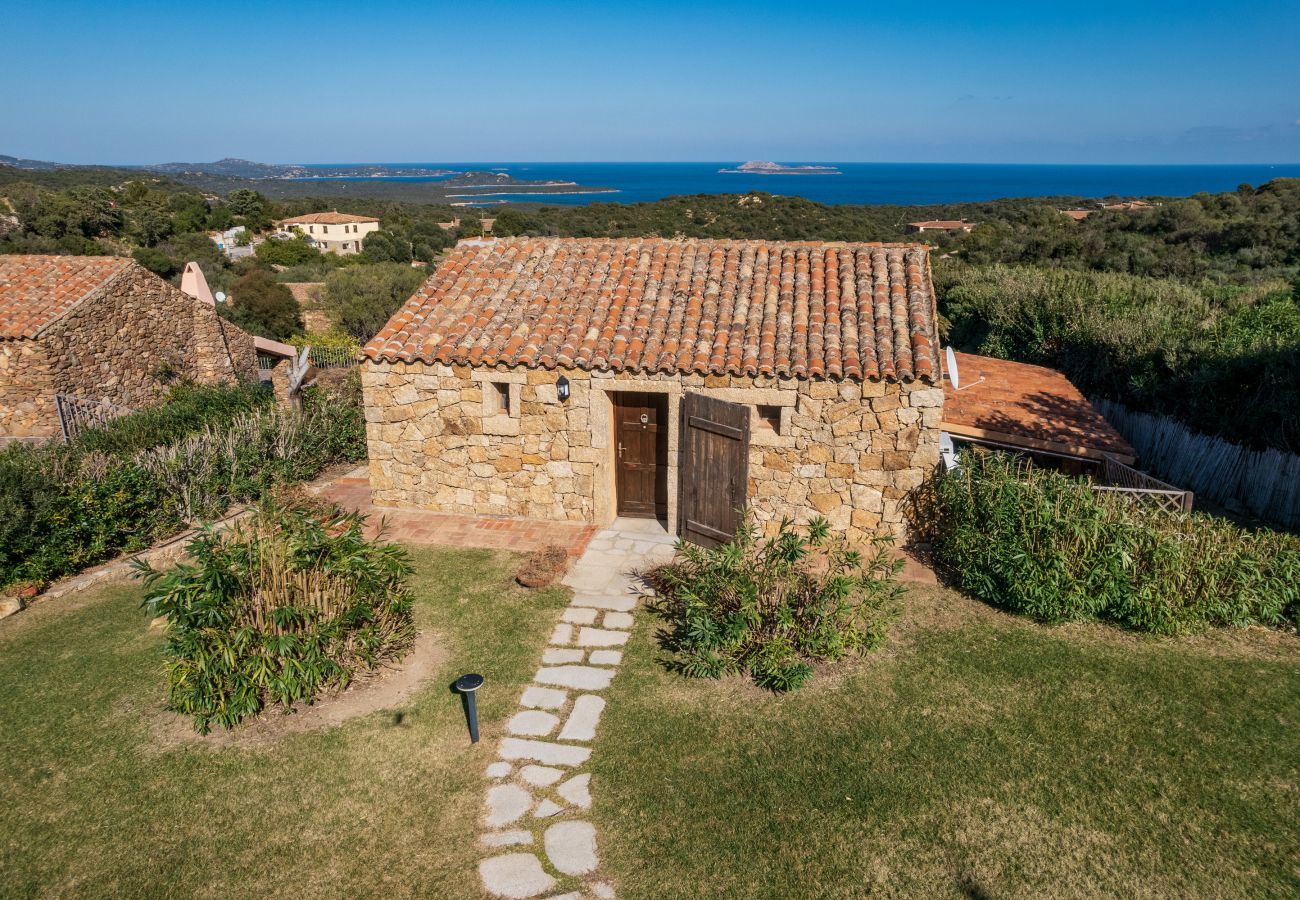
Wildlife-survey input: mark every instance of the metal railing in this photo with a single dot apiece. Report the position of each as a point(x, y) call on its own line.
point(334, 357)
point(77, 414)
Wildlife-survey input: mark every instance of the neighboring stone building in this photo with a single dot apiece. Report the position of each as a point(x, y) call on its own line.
point(799, 378)
point(102, 328)
point(333, 232)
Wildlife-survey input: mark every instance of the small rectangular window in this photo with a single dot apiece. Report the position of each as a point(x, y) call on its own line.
point(769, 417)
point(502, 392)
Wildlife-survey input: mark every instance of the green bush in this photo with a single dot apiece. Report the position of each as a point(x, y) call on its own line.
point(772, 607)
point(65, 508)
point(186, 409)
point(1041, 544)
point(276, 610)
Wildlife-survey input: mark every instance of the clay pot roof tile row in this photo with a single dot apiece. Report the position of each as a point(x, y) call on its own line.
point(800, 309)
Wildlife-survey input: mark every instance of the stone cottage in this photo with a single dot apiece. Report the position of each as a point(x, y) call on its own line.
point(583, 379)
point(102, 328)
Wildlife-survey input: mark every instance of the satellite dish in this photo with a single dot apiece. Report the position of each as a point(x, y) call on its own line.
point(952, 372)
point(221, 298)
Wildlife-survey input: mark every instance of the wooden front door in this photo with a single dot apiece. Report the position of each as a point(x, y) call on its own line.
point(641, 454)
point(714, 476)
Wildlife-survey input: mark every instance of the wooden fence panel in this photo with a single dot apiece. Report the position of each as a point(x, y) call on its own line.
point(1265, 483)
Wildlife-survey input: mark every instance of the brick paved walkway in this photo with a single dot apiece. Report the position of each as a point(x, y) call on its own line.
point(415, 526)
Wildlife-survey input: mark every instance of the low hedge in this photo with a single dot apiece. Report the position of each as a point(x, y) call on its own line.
point(1045, 545)
point(65, 508)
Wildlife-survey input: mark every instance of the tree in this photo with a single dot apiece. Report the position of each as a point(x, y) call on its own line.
point(292, 252)
point(261, 305)
point(246, 202)
point(363, 298)
point(150, 222)
point(156, 261)
point(470, 227)
point(386, 246)
point(510, 222)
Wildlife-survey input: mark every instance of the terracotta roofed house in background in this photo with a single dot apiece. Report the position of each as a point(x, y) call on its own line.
point(102, 328)
point(941, 225)
point(583, 379)
point(333, 232)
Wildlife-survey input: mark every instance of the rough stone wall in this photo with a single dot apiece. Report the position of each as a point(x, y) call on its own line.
point(123, 345)
point(26, 402)
point(850, 451)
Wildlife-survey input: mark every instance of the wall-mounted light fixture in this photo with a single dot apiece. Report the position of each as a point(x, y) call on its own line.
point(562, 389)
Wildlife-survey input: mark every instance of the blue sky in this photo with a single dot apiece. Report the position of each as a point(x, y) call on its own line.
point(358, 81)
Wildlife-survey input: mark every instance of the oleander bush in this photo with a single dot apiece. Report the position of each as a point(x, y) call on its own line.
point(281, 607)
point(63, 508)
point(771, 607)
point(1045, 545)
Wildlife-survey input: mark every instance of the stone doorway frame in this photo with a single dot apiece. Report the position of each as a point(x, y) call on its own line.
point(603, 439)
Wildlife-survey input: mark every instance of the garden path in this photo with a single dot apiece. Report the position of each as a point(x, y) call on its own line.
point(534, 827)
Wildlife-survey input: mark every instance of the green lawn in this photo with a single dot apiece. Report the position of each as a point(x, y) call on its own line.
point(978, 755)
point(94, 803)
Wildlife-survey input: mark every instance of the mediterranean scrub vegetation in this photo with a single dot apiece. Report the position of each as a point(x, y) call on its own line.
point(1041, 544)
point(281, 607)
point(1222, 360)
point(772, 607)
point(148, 475)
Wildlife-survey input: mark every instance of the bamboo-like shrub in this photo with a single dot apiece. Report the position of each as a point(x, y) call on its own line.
point(1039, 543)
point(279, 608)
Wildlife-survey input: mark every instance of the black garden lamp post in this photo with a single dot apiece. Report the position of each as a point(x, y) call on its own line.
point(467, 685)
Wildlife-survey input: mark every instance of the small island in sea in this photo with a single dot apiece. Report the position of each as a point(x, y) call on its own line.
point(753, 167)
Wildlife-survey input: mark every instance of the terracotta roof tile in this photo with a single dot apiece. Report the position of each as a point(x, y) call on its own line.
point(834, 310)
point(37, 290)
point(326, 218)
point(1017, 399)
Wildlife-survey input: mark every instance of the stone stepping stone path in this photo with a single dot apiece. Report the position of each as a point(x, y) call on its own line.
point(535, 838)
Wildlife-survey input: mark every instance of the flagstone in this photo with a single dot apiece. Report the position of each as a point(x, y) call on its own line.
point(515, 875)
point(617, 602)
point(584, 677)
point(577, 791)
point(532, 722)
point(599, 637)
point(547, 808)
point(543, 752)
point(506, 803)
point(605, 657)
point(540, 776)
point(617, 620)
point(579, 615)
point(543, 698)
point(552, 655)
point(581, 725)
point(571, 847)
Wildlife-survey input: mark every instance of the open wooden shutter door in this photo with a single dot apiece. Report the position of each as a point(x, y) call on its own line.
point(714, 476)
